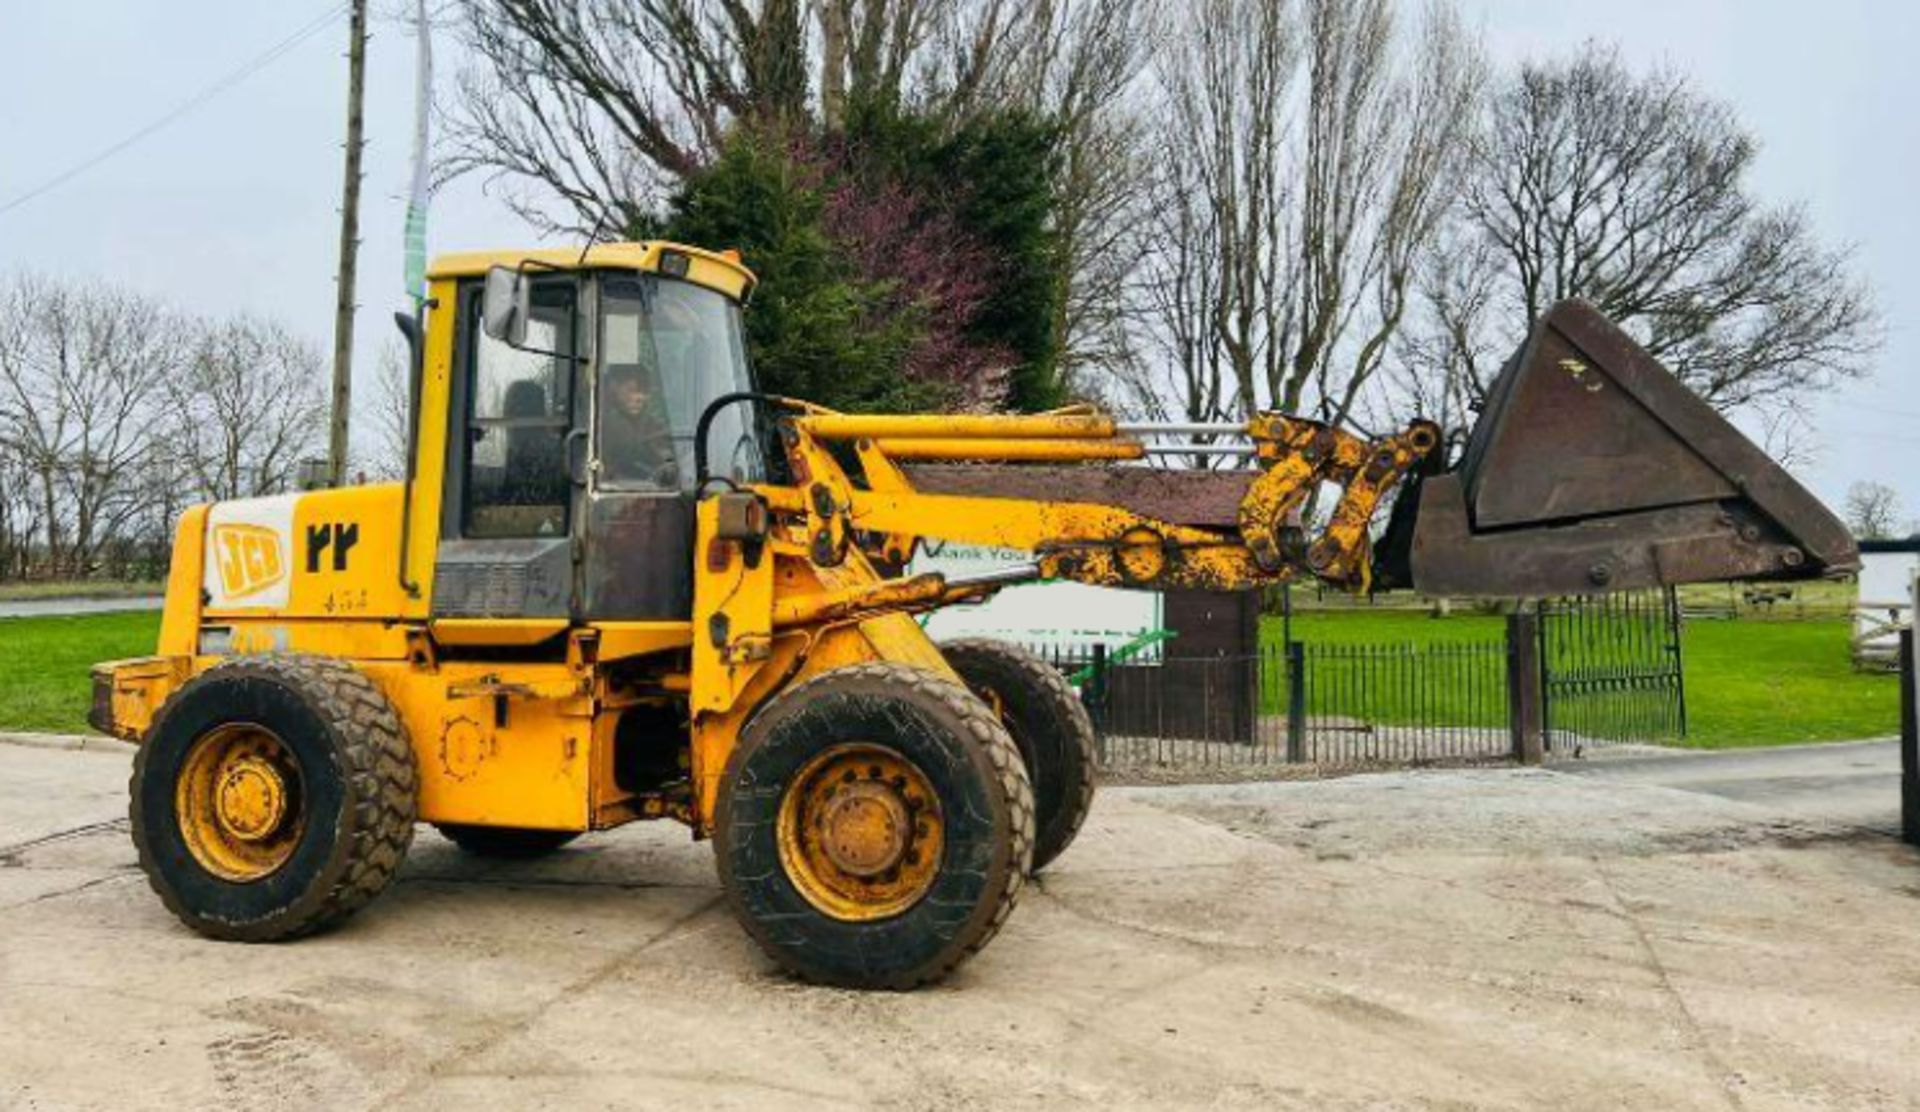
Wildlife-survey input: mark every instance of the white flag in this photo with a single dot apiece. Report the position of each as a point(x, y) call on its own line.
point(416, 231)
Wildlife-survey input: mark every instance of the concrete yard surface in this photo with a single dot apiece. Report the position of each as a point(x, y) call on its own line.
point(1502, 938)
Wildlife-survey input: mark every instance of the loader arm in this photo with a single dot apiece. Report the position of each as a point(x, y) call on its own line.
point(1107, 543)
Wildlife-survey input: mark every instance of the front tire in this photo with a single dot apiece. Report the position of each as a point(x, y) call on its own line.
point(1049, 724)
point(874, 827)
point(273, 797)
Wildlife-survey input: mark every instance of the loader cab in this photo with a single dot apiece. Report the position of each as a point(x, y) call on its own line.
point(573, 398)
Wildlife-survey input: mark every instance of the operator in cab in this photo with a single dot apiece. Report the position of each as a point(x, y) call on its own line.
point(636, 441)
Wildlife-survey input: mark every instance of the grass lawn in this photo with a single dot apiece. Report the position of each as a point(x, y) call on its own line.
point(44, 662)
point(1748, 682)
point(1774, 683)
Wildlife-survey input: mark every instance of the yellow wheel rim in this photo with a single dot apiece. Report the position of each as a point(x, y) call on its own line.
point(860, 832)
point(238, 802)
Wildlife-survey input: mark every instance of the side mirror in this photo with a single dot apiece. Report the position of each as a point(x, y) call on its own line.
point(503, 305)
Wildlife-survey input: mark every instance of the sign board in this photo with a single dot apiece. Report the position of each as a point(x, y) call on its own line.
point(1053, 616)
point(1883, 605)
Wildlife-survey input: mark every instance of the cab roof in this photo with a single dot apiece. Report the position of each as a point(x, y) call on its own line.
point(719, 270)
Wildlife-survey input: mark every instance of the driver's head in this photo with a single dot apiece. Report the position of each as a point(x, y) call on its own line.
point(630, 388)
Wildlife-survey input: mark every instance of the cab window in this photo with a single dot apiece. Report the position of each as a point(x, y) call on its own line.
point(668, 348)
point(519, 411)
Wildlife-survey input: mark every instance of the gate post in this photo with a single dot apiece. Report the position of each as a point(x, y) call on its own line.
point(1097, 687)
point(1675, 620)
point(1524, 687)
point(1296, 702)
point(1909, 743)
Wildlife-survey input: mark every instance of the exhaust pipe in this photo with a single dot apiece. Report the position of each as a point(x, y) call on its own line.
point(1593, 469)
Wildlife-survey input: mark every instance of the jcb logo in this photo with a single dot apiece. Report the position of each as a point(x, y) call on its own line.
point(250, 559)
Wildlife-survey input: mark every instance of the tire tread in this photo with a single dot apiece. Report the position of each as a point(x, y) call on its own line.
point(1057, 831)
point(377, 763)
point(985, 730)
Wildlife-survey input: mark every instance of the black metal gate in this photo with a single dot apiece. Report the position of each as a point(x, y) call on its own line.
point(1610, 670)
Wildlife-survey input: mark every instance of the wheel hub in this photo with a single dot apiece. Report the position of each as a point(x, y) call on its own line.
point(860, 832)
point(865, 828)
point(252, 800)
point(238, 802)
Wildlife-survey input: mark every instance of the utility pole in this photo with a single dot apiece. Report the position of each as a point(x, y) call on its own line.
point(349, 249)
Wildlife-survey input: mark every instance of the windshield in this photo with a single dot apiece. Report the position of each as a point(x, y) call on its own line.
point(668, 348)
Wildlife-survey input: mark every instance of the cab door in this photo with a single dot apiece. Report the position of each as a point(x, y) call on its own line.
point(666, 348)
point(511, 507)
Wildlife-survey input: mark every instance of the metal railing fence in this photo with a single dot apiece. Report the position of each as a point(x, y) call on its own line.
point(1599, 672)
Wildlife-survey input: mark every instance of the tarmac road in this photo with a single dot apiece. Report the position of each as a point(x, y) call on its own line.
point(1850, 783)
point(1481, 939)
point(50, 607)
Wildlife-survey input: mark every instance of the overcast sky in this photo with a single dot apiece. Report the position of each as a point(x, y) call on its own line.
point(233, 207)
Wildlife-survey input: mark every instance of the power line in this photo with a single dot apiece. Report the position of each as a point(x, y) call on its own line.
point(260, 62)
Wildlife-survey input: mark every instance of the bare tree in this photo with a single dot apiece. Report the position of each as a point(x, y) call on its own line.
point(20, 522)
point(586, 110)
point(384, 418)
point(79, 369)
point(245, 408)
point(1873, 510)
point(597, 104)
point(1628, 190)
point(1077, 64)
point(116, 413)
point(1308, 155)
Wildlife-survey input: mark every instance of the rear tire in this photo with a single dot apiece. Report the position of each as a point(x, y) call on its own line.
point(273, 797)
point(874, 827)
point(505, 842)
point(1049, 724)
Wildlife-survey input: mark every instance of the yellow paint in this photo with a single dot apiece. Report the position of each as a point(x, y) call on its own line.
point(518, 632)
point(497, 759)
point(180, 620)
point(1011, 523)
point(137, 688)
point(733, 609)
point(716, 270)
point(891, 594)
point(339, 560)
point(353, 640)
point(622, 640)
point(1070, 426)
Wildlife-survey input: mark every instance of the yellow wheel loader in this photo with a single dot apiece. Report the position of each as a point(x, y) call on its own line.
point(616, 583)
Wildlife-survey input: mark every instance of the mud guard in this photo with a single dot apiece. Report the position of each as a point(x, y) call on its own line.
point(1592, 469)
